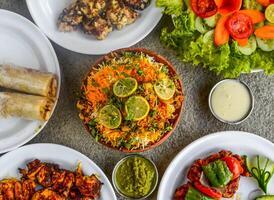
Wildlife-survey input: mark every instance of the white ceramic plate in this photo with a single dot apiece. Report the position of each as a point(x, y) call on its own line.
point(65, 157)
point(46, 12)
point(23, 44)
point(238, 142)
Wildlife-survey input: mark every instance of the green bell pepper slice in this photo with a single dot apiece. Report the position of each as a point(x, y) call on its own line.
point(193, 194)
point(217, 173)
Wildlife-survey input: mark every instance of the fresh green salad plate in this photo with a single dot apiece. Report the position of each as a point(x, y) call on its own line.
point(229, 37)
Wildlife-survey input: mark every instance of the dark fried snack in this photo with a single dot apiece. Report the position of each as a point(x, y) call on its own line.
point(120, 15)
point(137, 4)
point(99, 27)
point(70, 18)
point(97, 17)
point(91, 8)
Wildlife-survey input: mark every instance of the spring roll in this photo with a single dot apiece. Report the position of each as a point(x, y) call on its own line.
point(28, 80)
point(25, 106)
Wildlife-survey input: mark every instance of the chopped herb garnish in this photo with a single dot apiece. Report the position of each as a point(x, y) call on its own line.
point(164, 69)
point(94, 83)
point(129, 116)
point(168, 127)
point(125, 74)
point(152, 113)
point(106, 91)
point(140, 72)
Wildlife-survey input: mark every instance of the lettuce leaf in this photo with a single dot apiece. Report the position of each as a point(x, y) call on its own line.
point(171, 7)
point(225, 60)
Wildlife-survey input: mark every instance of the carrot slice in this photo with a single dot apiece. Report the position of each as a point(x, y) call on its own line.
point(229, 6)
point(219, 3)
point(265, 32)
point(264, 2)
point(255, 15)
point(221, 34)
point(242, 42)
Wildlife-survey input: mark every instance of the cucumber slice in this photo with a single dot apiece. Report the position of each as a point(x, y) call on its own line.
point(258, 25)
point(268, 23)
point(252, 5)
point(200, 26)
point(250, 47)
point(266, 197)
point(209, 36)
point(187, 3)
point(265, 45)
point(253, 162)
point(211, 21)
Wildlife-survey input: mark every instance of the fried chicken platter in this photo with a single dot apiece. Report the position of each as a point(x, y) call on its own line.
point(47, 181)
point(100, 17)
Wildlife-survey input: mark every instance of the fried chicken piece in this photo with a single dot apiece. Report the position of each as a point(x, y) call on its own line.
point(99, 27)
point(91, 8)
point(137, 4)
point(70, 17)
point(88, 186)
point(24, 190)
point(7, 189)
point(45, 175)
point(120, 15)
point(32, 169)
point(64, 187)
point(47, 194)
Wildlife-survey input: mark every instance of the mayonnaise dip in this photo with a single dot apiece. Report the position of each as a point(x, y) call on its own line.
point(231, 101)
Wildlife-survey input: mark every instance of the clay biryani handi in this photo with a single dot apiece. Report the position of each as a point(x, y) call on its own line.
point(130, 100)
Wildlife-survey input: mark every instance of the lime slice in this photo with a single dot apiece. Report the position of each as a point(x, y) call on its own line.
point(269, 13)
point(125, 87)
point(110, 117)
point(137, 108)
point(165, 89)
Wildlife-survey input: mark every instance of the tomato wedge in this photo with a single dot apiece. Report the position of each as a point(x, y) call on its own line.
point(228, 6)
point(204, 8)
point(234, 166)
point(240, 26)
point(211, 192)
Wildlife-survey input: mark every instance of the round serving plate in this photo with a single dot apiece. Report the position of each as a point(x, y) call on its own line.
point(157, 58)
point(23, 44)
point(46, 12)
point(65, 157)
point(241, 143)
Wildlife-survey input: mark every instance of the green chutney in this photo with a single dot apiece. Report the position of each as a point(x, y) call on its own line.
point(135, 177)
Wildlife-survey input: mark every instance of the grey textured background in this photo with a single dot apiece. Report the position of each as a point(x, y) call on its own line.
point(65, 128)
